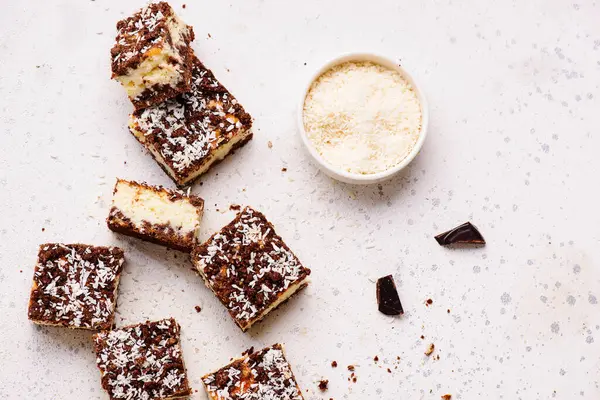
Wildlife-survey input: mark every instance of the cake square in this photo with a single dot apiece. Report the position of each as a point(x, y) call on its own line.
point(156, 214)
point(75, 285)
point(142, 361)
point(265, 374)
point(152, 57)
point(249, 268)
point(188, 134)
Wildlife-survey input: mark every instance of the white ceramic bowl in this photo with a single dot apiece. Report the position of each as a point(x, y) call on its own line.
point(354, 178)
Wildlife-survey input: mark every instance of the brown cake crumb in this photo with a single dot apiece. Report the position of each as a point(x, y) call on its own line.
point(270, 144)
point(183, 6)
point(422, 337)
point(428, 302)
point(323, 385)
point(334, 364)
point(389, 371)
point(430, 349)
point(249, 351)
point(376, 358)
point(235, 207)
point(447, 397)
point(448, 311)
point(350, 367)
point(198, 309)
point(284, 169)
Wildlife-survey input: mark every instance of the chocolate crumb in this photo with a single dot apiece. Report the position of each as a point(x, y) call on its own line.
point(284, 169)
point(350, 367)
point(354, 379)
point(43, 229)
point(430, 349)
point(235, 207)
point(209, 35)
point(270, 144)
point(249, 351)
point(429, 302)
point(323, 385)
point(183, 6)
point(198, 309)
point(422, 337)
point(334, 364)
point(389, 371)
point(448, 311)
point(376, 358)
point(447, 397)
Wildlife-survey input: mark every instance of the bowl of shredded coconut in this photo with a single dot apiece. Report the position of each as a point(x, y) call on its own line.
point(362, 118)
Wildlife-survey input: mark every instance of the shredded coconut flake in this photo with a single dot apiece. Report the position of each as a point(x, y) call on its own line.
point(362, 118)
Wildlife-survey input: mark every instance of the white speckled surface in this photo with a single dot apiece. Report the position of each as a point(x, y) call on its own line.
point(513, 143)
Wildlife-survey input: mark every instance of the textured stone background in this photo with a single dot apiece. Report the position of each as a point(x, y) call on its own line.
point(513, 144)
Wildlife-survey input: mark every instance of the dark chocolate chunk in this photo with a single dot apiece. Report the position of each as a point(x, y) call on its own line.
point(465, 233)
point(387, 296)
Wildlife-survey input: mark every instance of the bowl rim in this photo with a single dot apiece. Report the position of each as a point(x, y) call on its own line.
point(349, 177)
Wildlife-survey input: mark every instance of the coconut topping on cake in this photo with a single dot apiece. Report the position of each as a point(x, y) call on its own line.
point(75, 285)
point(248, 265)
point(142, 361)
point(259, 376)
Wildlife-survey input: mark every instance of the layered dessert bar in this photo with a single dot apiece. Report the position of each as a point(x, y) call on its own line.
point(249, 268)
point(75, 285)
point(152, 57)
point(265, 374)
point(142, 361)
point(153, 213)
point(188, 134)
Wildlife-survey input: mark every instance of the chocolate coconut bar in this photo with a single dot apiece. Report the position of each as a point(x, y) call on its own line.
point(265, 374)
point(152, 57)
point(188, 134)
point(75, 285)
point(153, 213)
point(249, 268)
point(142, 361)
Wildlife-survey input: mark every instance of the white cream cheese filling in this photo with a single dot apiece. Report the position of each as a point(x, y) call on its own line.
point(139, 204)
